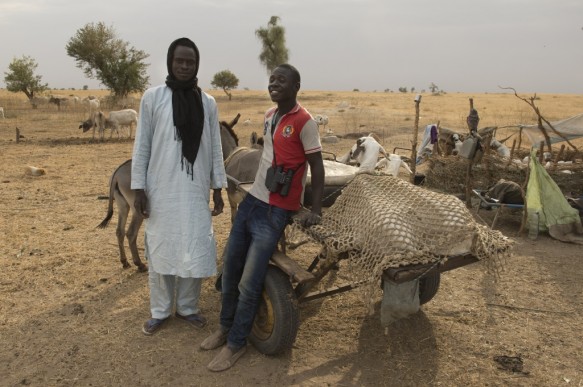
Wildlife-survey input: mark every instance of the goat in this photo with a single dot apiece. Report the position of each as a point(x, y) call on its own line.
point(457, 144)
point(321, 120)
point(365, 154)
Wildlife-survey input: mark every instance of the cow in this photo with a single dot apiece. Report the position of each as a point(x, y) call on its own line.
point(37, 101)
point(120, 118)
point(92, 104)
point(59, 101)
point(96, 122)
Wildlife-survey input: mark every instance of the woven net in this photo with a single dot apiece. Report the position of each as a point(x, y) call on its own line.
point(380, 222)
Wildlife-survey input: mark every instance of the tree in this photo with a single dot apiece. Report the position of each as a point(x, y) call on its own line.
point(226, 80)
point(403, 89)
point(433, 87)
point(103, 56)
point(20, 77)
point(274, 51)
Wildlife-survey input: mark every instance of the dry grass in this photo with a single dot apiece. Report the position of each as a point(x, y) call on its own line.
point(70, 315)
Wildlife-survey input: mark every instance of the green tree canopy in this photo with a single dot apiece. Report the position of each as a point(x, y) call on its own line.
point(273, 52)
point(225, 80)
point(20, 77)
point(103, 56)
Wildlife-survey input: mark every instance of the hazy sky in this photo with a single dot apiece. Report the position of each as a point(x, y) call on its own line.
point(535, 46)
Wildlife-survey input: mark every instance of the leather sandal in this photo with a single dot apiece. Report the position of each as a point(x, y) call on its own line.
point(196, 320)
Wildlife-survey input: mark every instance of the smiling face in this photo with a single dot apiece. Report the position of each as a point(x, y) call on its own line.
point(283, 86)
point(184, 63)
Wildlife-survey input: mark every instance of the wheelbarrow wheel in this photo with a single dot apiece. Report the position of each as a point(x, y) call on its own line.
point(428, 287)
point(277, 321)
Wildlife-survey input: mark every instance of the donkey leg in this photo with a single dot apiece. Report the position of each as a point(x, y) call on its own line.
point(132, 235)
point(123, 210)
point(233, 203)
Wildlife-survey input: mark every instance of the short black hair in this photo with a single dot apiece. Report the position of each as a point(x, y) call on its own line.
point(293, 70)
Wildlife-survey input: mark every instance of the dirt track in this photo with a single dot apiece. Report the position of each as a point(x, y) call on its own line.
point(70, 315)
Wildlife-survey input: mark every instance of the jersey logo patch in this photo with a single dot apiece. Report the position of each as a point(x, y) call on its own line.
point(287, 131)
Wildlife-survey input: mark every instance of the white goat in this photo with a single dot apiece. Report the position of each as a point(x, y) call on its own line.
point(502, 149)
point(366, 155)
point(392, 163)
point(321, 120)
point(457, 144)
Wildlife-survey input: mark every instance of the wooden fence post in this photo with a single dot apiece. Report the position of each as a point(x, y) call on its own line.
point(414, 141)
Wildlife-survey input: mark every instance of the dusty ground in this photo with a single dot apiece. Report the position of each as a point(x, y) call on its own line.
point(70, 315)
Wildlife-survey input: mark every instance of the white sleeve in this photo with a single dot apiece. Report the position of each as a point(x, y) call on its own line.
point(310, 136)
point(142, 143)
point(218, 174)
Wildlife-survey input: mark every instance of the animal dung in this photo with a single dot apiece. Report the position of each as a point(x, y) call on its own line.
point(34, 171)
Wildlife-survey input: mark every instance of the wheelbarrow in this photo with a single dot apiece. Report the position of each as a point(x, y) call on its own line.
point(288, 285)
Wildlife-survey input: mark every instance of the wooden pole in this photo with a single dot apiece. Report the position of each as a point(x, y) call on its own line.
point(414, 141)
point(560, 154)
point(541, 148)
point(436, 150)
point(511, 152)
point(17, 135)
point(472, 121)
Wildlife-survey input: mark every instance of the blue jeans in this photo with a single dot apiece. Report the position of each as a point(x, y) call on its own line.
point(254, 235)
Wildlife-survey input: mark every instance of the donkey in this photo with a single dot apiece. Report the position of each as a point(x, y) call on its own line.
point(241, 167)
point(120, 191)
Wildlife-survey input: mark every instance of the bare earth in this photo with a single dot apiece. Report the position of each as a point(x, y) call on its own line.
point(71, 315)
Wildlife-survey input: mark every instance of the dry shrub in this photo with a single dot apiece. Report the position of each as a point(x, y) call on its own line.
point(448, 174)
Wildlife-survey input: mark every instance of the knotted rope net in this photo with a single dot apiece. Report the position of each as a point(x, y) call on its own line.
point(381, 222)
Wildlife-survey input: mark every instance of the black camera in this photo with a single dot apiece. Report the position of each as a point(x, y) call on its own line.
point(277, 180)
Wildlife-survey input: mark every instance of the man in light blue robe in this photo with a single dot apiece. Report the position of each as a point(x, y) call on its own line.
point(177, 160)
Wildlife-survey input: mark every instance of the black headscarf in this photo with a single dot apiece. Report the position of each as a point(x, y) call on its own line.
point(188, 112)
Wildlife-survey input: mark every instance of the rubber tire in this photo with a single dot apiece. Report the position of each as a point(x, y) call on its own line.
point(428, 287)
point(277, 321)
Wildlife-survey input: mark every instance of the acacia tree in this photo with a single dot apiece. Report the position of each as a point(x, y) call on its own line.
point(273, 52)
point(433, 87)
point(103, 56)
point(20, 77)
point(225, 80)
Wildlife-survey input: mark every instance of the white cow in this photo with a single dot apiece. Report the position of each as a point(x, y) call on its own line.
point(120, 118)
point(96, 122)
